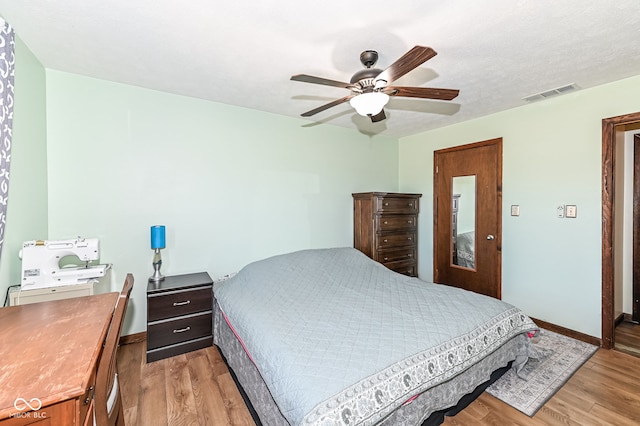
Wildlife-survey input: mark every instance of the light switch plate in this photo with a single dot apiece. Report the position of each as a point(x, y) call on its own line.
point(515, 210)
point(571, 211)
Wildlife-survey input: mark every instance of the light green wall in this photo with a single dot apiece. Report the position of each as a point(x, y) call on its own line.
point(231, 185)
point(27, 206)
point(551, 268)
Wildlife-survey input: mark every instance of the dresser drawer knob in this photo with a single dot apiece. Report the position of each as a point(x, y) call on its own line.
point(386, 258)
point(186, 302)
point(385, 241)
point(386, 204)
point(409, 238)
point(409, 221)
point(181, 330)
point(385, 222)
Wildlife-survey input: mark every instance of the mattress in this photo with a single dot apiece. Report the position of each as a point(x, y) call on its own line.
point(465, 247)
point(339, 339)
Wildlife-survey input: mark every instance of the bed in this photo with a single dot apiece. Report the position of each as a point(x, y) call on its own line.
point(464, 248)
point(330, 337)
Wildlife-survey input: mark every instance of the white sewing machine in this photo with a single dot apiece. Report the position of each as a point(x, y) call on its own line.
point(41, 263)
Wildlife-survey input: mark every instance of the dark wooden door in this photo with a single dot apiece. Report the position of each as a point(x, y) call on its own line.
point(468, 217)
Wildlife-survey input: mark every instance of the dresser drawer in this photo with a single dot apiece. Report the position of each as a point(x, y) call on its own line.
point(408, 267)
point(401, 239)
point(169, 332)
point(397, 205)
point(396, 255)
point(180, 302)
point(386, 223)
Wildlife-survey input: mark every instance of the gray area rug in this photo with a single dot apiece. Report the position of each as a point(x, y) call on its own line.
point(540, 379)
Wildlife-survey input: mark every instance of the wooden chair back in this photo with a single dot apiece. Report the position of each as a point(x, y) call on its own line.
point(107, 400)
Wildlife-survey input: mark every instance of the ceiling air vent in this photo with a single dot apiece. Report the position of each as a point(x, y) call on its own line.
point(553, 92)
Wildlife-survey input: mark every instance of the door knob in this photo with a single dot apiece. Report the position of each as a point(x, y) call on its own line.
point(490, 237)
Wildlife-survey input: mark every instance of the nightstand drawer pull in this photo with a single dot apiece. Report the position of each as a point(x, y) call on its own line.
point(182, 330)
point(186, 302)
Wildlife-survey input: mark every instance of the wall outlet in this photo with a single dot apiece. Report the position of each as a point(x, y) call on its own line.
point(560, 211)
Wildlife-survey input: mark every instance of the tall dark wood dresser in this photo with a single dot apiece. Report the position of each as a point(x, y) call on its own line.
point(385, 228)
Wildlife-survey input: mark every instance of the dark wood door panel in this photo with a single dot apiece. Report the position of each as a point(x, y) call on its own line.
point(484, 161)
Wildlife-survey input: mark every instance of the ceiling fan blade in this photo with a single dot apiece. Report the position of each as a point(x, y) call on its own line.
point(410, 60)
point(378, 117)
point(422, 92)
point(326, 106)
point(319, 80)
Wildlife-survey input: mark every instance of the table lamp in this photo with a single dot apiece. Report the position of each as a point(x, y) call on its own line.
point(157, 243)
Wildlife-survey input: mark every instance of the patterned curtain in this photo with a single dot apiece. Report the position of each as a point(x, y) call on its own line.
point(7, 65)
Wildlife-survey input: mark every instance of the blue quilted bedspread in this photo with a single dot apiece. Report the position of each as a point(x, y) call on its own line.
point(340, 339)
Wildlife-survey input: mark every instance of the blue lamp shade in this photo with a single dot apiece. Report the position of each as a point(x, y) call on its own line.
point(157, 237)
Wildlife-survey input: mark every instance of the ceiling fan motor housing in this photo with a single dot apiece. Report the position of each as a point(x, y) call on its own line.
point(367, 76)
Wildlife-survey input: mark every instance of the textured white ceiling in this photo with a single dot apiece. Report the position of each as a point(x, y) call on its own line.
point(243, 53)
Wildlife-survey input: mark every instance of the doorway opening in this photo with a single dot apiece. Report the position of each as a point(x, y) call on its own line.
point(613, 131)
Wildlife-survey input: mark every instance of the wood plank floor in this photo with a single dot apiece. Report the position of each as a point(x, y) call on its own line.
point(197, 389)
point(190, 389)
point(627, 338)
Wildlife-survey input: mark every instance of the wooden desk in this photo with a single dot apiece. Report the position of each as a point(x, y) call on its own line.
point(48, 355)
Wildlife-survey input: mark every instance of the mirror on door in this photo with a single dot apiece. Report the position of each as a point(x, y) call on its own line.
point(463, 221)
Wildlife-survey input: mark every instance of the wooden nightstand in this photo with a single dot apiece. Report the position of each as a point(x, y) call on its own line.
point(179, 315)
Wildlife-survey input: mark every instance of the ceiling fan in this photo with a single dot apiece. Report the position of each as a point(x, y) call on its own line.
point(370, 87)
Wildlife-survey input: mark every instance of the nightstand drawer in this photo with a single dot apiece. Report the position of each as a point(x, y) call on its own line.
point(179, 348)
point(394, 223)
point(180, 302)
point(168, 332)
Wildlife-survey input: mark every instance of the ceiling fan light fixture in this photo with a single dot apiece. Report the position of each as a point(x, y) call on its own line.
point(370, 103)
